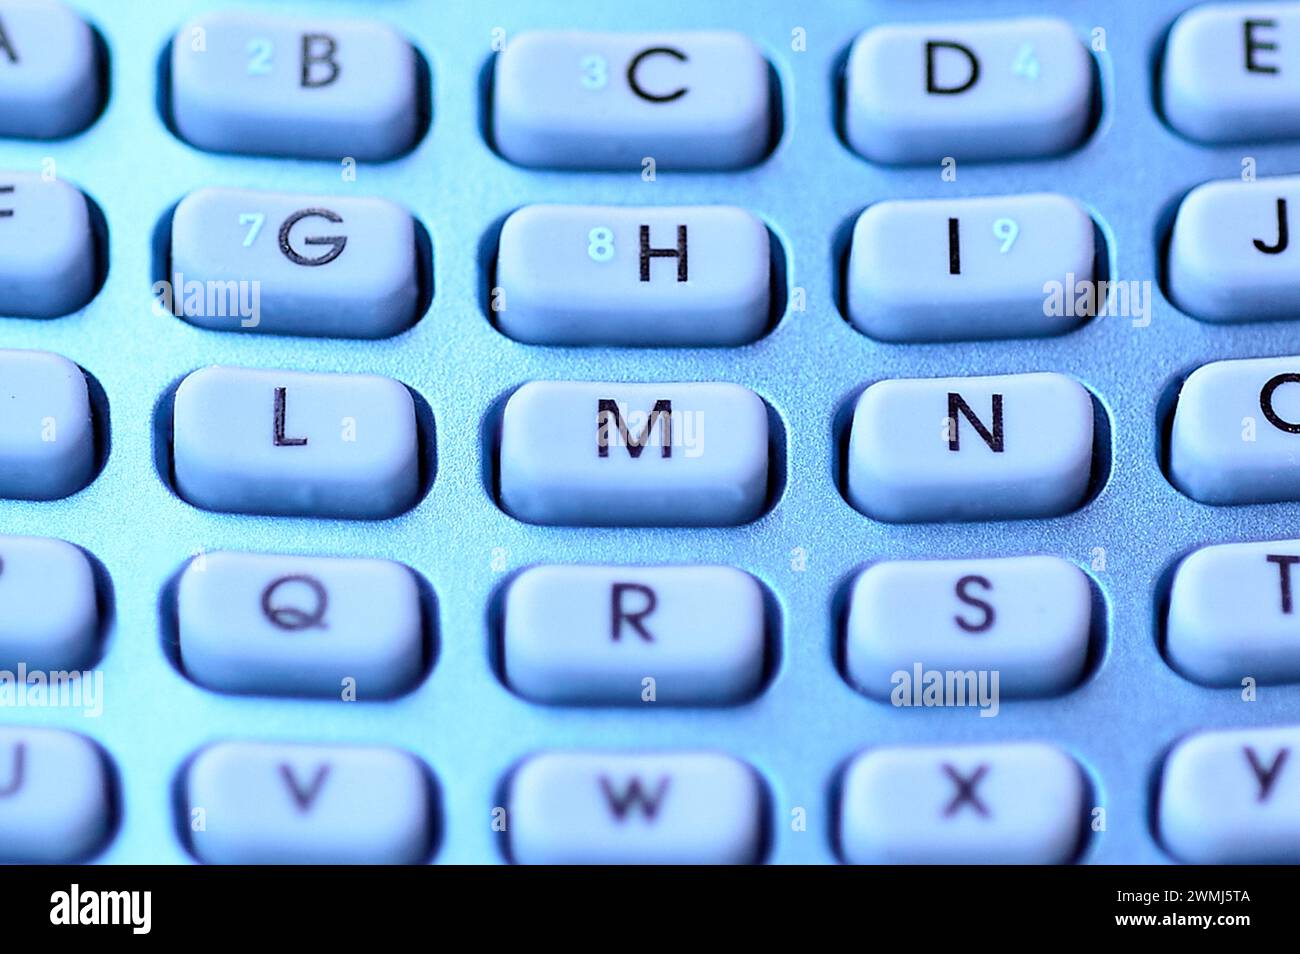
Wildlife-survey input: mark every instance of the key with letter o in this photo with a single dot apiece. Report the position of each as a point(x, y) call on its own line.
point(1236, 432)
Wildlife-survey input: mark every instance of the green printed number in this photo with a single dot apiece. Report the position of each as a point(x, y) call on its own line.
point(253, 221)
point(600, 244)
point(260, 51)
point(595, 72)
point(1006, 231)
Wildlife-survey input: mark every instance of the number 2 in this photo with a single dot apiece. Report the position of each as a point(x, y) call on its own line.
point(254, 220)
point(260, 50)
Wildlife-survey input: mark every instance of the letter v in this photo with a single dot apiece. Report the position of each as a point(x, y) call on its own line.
point(303, 798)
point(1266, 776)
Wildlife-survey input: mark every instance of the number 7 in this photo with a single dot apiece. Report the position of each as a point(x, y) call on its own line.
point(254, 220)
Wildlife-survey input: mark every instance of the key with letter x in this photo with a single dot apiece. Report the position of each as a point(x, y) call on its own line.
point(1020, 803)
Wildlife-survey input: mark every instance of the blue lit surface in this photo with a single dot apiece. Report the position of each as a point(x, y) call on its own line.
point(803, 729)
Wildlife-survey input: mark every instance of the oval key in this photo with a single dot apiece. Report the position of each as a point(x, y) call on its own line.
point(610, 275)
point(1230, 255)
point(628, 635)
point(585, 100)
point(1236, 432)
point(267, 803)
point(47, 249)
point(954, 269)
point(292, 264)
point(294, 625)
point(992, 89)
point(1009, 803)
point(587, 454)
point(1233, 797)
point(635, 808)
point(1233, 615)
point(293, 443)
point(979, 448)
point(55, 796)
point(47, 438)
point(49, 70)
point(314, 87)
point(1229, 72)
point(49, 614)
point(1016, 626)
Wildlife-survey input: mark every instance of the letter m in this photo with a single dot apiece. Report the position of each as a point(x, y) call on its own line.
point(607, 411)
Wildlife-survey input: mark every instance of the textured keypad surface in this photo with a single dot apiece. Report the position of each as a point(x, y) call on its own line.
point(805, 545)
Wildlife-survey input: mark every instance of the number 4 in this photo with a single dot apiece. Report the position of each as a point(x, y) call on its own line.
point(254, 221)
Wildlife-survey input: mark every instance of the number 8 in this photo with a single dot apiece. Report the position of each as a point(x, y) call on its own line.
point(600, 244)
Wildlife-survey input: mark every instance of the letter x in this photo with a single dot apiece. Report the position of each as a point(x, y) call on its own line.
point(965, 790)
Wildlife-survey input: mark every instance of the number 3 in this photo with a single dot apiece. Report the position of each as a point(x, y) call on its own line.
point(595, 72)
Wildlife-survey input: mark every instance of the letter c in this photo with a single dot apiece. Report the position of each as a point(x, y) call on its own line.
point(642, 91)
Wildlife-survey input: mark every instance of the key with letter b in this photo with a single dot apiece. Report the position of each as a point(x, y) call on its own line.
point(310, 87)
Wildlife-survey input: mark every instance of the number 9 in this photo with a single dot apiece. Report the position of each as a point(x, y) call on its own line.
point(1006, 231)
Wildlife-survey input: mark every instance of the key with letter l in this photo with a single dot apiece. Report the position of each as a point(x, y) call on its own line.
point(293, 443)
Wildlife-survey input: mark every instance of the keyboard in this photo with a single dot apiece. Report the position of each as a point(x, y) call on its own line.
point(506, 432)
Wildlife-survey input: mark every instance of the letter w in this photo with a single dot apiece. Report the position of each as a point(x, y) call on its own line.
point(621, 803)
